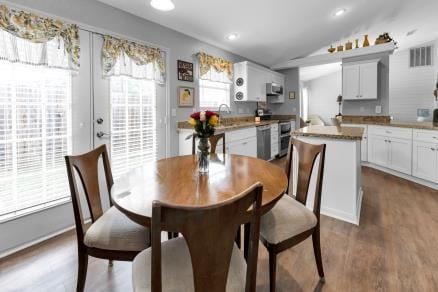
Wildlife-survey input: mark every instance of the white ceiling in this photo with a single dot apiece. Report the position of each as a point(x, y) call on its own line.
point(278, 30)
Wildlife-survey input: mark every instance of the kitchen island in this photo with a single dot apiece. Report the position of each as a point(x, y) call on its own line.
point(342, 184)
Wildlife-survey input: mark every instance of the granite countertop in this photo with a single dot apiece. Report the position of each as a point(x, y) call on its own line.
point(400, 124)
point(333, 132)
point(238, 125)
point(233, 123)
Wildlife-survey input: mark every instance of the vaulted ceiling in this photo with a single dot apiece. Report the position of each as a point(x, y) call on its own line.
point(278, 30)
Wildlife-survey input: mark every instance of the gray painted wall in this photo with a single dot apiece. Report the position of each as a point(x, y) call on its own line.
point(368, 107)
point(292, 83)
point(323, 92)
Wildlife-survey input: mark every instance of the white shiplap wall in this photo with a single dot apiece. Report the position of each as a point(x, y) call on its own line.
point(411, 88)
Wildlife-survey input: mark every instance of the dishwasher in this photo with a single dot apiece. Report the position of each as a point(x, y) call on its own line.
point(264, 142)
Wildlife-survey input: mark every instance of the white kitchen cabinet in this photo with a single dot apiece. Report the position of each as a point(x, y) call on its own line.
point(378, 150)
point(390, 148)
point(400, 155)
point(250, 82)
point(425, 161)
point(350, 82)
point(359, 80)
point(247, 147)
point(425, 155)
point(239, 141)
point(256, 87)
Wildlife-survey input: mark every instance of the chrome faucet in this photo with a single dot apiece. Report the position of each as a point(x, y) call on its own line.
point(219, 111)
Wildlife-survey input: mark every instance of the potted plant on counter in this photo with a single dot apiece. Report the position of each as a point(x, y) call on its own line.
point(204, 123)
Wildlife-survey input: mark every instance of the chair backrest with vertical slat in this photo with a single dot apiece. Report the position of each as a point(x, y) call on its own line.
point(87, 168)
point(307, 155)
point(209, 233)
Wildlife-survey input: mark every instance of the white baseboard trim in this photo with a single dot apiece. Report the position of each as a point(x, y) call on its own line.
point(402, 175)
point(34, 242)
point(38, 240)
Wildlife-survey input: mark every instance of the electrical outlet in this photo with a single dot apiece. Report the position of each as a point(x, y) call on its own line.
point(378, 109)
point(294, 109)
point(362, 109)
point(240, 110)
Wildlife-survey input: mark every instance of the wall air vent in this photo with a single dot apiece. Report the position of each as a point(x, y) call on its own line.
point(421, 56)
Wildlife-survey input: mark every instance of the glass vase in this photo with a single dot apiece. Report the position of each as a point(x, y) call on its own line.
point(203, 155)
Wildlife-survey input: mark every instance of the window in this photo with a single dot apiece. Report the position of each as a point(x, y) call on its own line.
point(133, 123)
point(213, 94)
point(35, 135)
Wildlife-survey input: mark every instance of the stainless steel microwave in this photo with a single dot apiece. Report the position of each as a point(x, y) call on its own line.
point(274, 89)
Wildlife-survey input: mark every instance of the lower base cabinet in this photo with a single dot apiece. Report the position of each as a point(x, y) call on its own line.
point(240, 141)
point(425, 161)
point(378, 150)
point(391, 149)
point(247, 147)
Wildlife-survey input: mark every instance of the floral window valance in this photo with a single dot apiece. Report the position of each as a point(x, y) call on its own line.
point(30, 39)
point(215, 68)
point(123, 57)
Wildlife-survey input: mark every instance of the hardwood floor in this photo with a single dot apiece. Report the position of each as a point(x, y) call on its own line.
point(395, 248)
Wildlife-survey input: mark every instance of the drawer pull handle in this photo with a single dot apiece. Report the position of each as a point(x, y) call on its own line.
point(388, 132)
point(433, 149)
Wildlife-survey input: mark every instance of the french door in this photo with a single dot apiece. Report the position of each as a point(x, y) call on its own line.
point(129, 117)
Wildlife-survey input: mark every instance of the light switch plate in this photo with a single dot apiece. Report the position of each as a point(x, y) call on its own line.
point(378, 109)
point(174, 112)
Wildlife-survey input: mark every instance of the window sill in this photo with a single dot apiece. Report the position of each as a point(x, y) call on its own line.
point(32, 210)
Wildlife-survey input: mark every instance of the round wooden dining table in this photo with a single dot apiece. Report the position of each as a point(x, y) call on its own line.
point(176, 181)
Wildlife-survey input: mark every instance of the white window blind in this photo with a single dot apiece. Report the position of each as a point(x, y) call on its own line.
point(133, 123)
point(213, 94)
point(35, 134)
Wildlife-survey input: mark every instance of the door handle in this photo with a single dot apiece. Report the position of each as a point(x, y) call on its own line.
point(101, 134)
point(99, 121)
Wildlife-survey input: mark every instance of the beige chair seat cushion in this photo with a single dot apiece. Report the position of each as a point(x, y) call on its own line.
point(114, 231)
point(176, 269)
point(287, 219)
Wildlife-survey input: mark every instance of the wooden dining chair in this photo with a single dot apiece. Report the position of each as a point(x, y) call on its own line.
point(213, 143)
point(205, 258)
point(290, 222)
point(111, 235)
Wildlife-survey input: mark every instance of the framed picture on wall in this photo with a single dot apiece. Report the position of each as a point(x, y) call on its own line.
point(185, 71)
point(291, 94)
point(186, 96)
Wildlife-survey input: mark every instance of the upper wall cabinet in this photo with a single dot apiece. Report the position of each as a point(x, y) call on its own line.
point(360, 80)
point(250, 82)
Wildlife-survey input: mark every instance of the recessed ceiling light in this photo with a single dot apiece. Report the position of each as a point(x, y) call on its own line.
point(163, 5)
point(232, 36)
point(340, 12)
